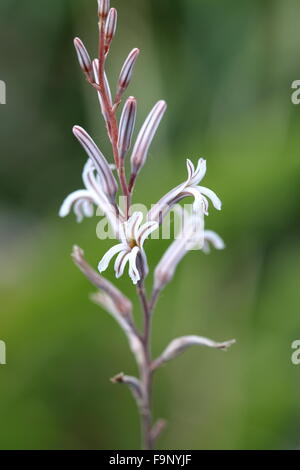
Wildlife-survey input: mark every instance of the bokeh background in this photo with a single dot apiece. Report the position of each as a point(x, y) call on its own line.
point(225, 67)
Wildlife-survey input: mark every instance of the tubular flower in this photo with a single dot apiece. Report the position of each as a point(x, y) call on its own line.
point(188, 188)
point(130, 250)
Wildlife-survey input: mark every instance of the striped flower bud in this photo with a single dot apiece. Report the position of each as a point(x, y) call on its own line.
point(106, 86)
point(110, 28)
point(103, 8)
point(126, 72)
point(83, 58)
point(126, 128)
point(107, 178)
point(145, 137)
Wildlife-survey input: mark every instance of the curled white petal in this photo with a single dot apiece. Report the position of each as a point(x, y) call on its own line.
point(212, 196)
point(103, 265)
point(213, 238)
point(195, 176)
point(121, 262)
point(133, 270)
point(71, 199)
point(133, 224)
point(144, 231)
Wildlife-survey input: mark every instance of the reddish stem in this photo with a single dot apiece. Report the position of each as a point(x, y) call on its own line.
point(112, 124)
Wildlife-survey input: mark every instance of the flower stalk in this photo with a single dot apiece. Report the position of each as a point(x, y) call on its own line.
point(131, 231)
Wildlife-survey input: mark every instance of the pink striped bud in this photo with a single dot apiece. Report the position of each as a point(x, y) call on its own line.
point(145, 137)
point(126, 72)
point(106, 176)
point(103, 8)
point(126, 128)
point(83, 58)
point(110, 28)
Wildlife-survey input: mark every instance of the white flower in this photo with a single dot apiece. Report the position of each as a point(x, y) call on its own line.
point(130, 250)
point(82, 200)
point(188, 188)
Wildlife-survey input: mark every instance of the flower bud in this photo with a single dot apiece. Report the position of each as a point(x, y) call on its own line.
point(103, 8)
point(110, 28)
point(126, 72)
point(83, 58)
point(145, 137)
point(107, 178)
point(126, 128)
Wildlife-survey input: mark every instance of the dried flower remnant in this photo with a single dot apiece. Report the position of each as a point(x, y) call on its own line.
point(179, 345)
point(101, 187)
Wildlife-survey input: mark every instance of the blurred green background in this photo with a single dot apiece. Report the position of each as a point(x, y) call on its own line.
point(225, 67)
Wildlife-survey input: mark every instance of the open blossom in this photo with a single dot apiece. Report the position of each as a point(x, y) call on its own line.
point(130, 250)
point(188, 188)
point(83, 200)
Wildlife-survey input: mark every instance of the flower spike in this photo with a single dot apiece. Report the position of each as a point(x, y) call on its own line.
point(100, 188)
